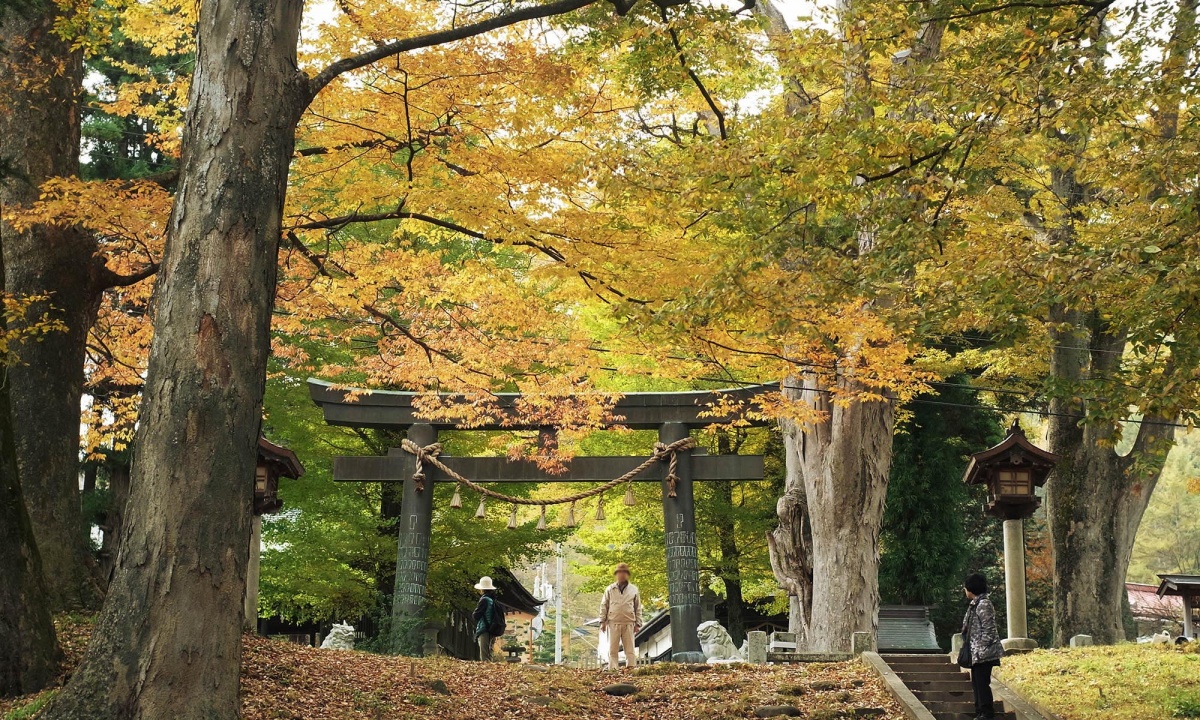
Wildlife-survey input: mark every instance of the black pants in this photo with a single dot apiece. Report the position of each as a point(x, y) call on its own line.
point(981, 684)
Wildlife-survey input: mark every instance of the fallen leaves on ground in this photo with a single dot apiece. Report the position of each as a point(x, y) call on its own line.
point(282, 681)
point(290, 682)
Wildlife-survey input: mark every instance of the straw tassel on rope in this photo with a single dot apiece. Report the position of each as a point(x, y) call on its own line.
point(512, 519)
point(571, 515)
point(481, 512)
point(542, 520)
point(600, 508)
point(630, 500)
point(456, 501)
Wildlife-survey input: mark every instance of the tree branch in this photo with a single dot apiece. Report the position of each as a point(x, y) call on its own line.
point(108, 279)
point(683, 61)
point(912, 163)
point(1094, 8)
point(441, 37)
point(549, 251)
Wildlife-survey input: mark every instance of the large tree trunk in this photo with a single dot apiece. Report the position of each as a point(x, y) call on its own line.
point(29, 653)
point(168, 643)
point(1096, 498)
point(825, 551)
point(40, 83)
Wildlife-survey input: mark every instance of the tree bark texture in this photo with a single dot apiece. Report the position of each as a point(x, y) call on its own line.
point(40, 83)
point(168, 643)
point(29, 652)
point(825, 552)
point(1096, 497)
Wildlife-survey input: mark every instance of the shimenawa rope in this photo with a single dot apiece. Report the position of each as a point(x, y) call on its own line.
point(429, 454)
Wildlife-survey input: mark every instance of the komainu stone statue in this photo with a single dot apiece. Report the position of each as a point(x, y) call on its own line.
point(718, 647)
point(341, 637)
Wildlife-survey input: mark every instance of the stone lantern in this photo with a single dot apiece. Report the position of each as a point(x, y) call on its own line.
point(274, 462)
point(1012, 471)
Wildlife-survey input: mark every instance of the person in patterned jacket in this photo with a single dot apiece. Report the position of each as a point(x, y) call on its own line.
point(980, 631)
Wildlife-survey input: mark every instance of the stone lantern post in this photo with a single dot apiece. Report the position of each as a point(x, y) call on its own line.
point(274, 462)
point(1012, 471)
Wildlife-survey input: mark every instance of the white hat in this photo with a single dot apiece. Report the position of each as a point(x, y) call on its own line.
point(485, 583)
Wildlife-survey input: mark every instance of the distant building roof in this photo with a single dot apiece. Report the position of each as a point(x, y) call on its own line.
point(1146, 604)
point(1179, 585)
point(652, 626)
point(905, 628)
point(511, 593)
point(289, 465)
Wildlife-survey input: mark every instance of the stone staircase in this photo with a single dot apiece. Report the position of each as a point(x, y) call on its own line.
point(941, 686)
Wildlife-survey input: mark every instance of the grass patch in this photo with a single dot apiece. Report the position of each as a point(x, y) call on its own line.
point(31, 709)
point(1116, 682)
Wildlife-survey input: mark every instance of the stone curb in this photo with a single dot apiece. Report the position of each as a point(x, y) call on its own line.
point(909, 702)
point(1026, 709)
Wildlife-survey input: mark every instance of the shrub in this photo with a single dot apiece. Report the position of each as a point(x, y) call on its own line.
point(1184, 704)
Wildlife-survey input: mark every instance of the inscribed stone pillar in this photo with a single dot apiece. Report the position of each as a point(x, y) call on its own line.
point(683, 566)
point(412, 557)
point(756, 647)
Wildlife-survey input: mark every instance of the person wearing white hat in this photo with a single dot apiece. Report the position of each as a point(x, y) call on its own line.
point(621, 617)
point(489, 618)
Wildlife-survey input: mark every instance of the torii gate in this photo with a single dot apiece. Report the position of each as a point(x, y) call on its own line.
point(673, 414)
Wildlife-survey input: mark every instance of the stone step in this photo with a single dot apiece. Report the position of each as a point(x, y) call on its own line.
point(923, 667)
point(931, 658)
point(926, 696)
point(952, 707)
point(928, 672)
point(970, 715)
point(942, 685)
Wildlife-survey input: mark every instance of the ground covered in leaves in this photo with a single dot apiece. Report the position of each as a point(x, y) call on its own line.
point(281, 681)
point(1115, 682)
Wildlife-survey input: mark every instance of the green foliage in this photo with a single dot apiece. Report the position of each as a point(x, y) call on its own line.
point(934, 531)
point(25, 712)
point(330, 554)
point(634, 534)
point(543, 646)
point(1168, 539)
point(1184, 704)
point(126, 146)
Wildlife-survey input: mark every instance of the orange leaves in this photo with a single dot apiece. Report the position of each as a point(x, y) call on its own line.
point(129, 217)
point(23, 324)
point(423, 321)
point(128, 220)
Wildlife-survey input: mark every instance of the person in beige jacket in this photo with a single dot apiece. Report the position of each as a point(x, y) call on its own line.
point(621, 617)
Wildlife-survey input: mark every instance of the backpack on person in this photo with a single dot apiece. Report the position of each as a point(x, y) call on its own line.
point(498, 626)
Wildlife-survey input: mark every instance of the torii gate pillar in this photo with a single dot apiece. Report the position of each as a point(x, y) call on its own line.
point(683, 564)
point(412, 559)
